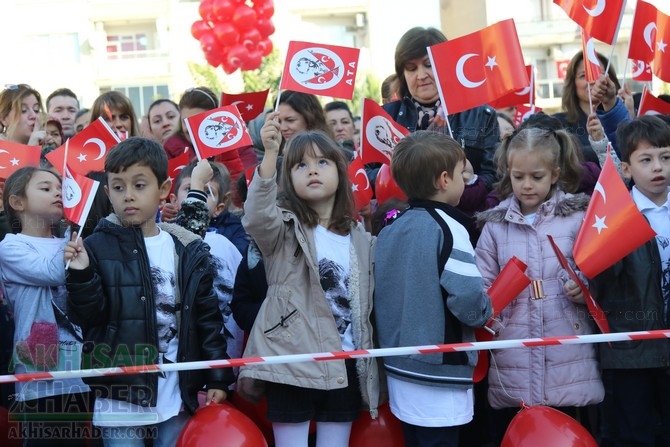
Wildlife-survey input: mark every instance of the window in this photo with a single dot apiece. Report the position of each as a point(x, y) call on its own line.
point(55, 47)
point(126, 46)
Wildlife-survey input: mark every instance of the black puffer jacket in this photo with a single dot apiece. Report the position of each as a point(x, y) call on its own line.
point(476, 130)
point(112, 300)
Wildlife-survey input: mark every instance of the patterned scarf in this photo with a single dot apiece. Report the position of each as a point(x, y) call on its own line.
point(425, 114)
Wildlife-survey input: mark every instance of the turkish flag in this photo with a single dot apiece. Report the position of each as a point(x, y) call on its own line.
point(523, 112)
point(217, 131)
point(600, 18)
point(591, 61)
point(78, 195)
point(360, 185)
point(509, 283)
point(326, 70)
point(661, 63)
point(87, 149)
point(651, 105)
point(641, 71)
point(379, 134)
point(612, 227)
point(594, 308)
point(249, 104)
point(14, 156)
point(478, 68)
point(525, 95)
point(176, 164)
point(643, 32)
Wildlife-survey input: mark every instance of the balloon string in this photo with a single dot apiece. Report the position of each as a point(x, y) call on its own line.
point(495, 366)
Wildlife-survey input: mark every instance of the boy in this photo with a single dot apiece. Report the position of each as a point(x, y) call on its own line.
point(197, 208)
point(143, 294)
point(634, 295)
point(424, 299)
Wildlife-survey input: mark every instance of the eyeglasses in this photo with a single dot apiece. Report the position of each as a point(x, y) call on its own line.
point(18, 87)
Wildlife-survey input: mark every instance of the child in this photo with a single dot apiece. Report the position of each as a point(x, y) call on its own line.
point(430, 394)
point(191, 181)
point(33, 277)
point(319, 297)
point(538, 169)
point(143, 294)
point(634, 295)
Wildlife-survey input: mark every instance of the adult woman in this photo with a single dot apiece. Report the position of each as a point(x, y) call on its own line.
point(575, 101)
point(163, 119)
point(20, 107)
point(115, 108)
point(475, 129)
point(299, 112)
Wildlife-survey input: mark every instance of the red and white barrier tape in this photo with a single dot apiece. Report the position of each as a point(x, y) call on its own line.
point(361, 353)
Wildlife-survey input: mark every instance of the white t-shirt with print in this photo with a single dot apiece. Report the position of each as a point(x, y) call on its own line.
point(115, 413)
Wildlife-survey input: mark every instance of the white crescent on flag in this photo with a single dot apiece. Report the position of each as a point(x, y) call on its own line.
point(591, 52)
point(597, 10)
point(2, 151)
point(648, 38)
point(71, 191)
point(461, 75)
point(101, 146)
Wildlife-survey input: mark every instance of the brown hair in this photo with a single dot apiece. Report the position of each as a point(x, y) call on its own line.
point(118, 101)
point(647, 128)
point(412, 45)
point(420, 158)
point(569, 99)
point(302, 144)
point(10, 101)
point(16, 185)
point(559, 149)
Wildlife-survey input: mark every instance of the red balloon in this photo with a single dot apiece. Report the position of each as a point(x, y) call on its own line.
point(236, 55)
point(385, 431)
point(220, 424)
point(223, 10)
point(265, 9)
point(250, 39)
point(244, 18)
point(226, 34)
point(214, 58)
point(252, 61)
point(385, 187)
point(198, 28)
point(227, 68)
point(205, 10)
point(547, 427)
point(265, 47)
point(265, 27)
point(208, 42)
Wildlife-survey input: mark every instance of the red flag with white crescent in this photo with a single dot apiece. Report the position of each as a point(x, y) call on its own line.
point(612, 227)
point(87, 150)
point(250, 104)
point(600, 18)
point(217, 131)
point(78, 195)
point(524, 95)
point(591, 62)
point(379, 134)
point(360, 185)
point(651, 105)
point(14, 156)
point(480, 67)
point(643, 32)
point(326, 70)
point(641, 71)
point(523, 112)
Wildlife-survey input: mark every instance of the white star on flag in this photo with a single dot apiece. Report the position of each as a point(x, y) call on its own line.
point(14, 161)
point(250, 106)
point(354, 187)
point(661, 45)
point(600, 223)
point(82, 157)
point(491, 63)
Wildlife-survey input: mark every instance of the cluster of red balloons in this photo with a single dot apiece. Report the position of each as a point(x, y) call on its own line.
point(233, 34)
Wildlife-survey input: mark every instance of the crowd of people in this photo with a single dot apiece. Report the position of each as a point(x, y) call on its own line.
point(260, 251)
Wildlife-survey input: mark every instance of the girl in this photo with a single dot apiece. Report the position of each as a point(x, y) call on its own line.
point(20, 108)
point(318, 264)
point(299, 112)
point(33, 276)
point(118, 111)
point(539, 168)
point(163, 119)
